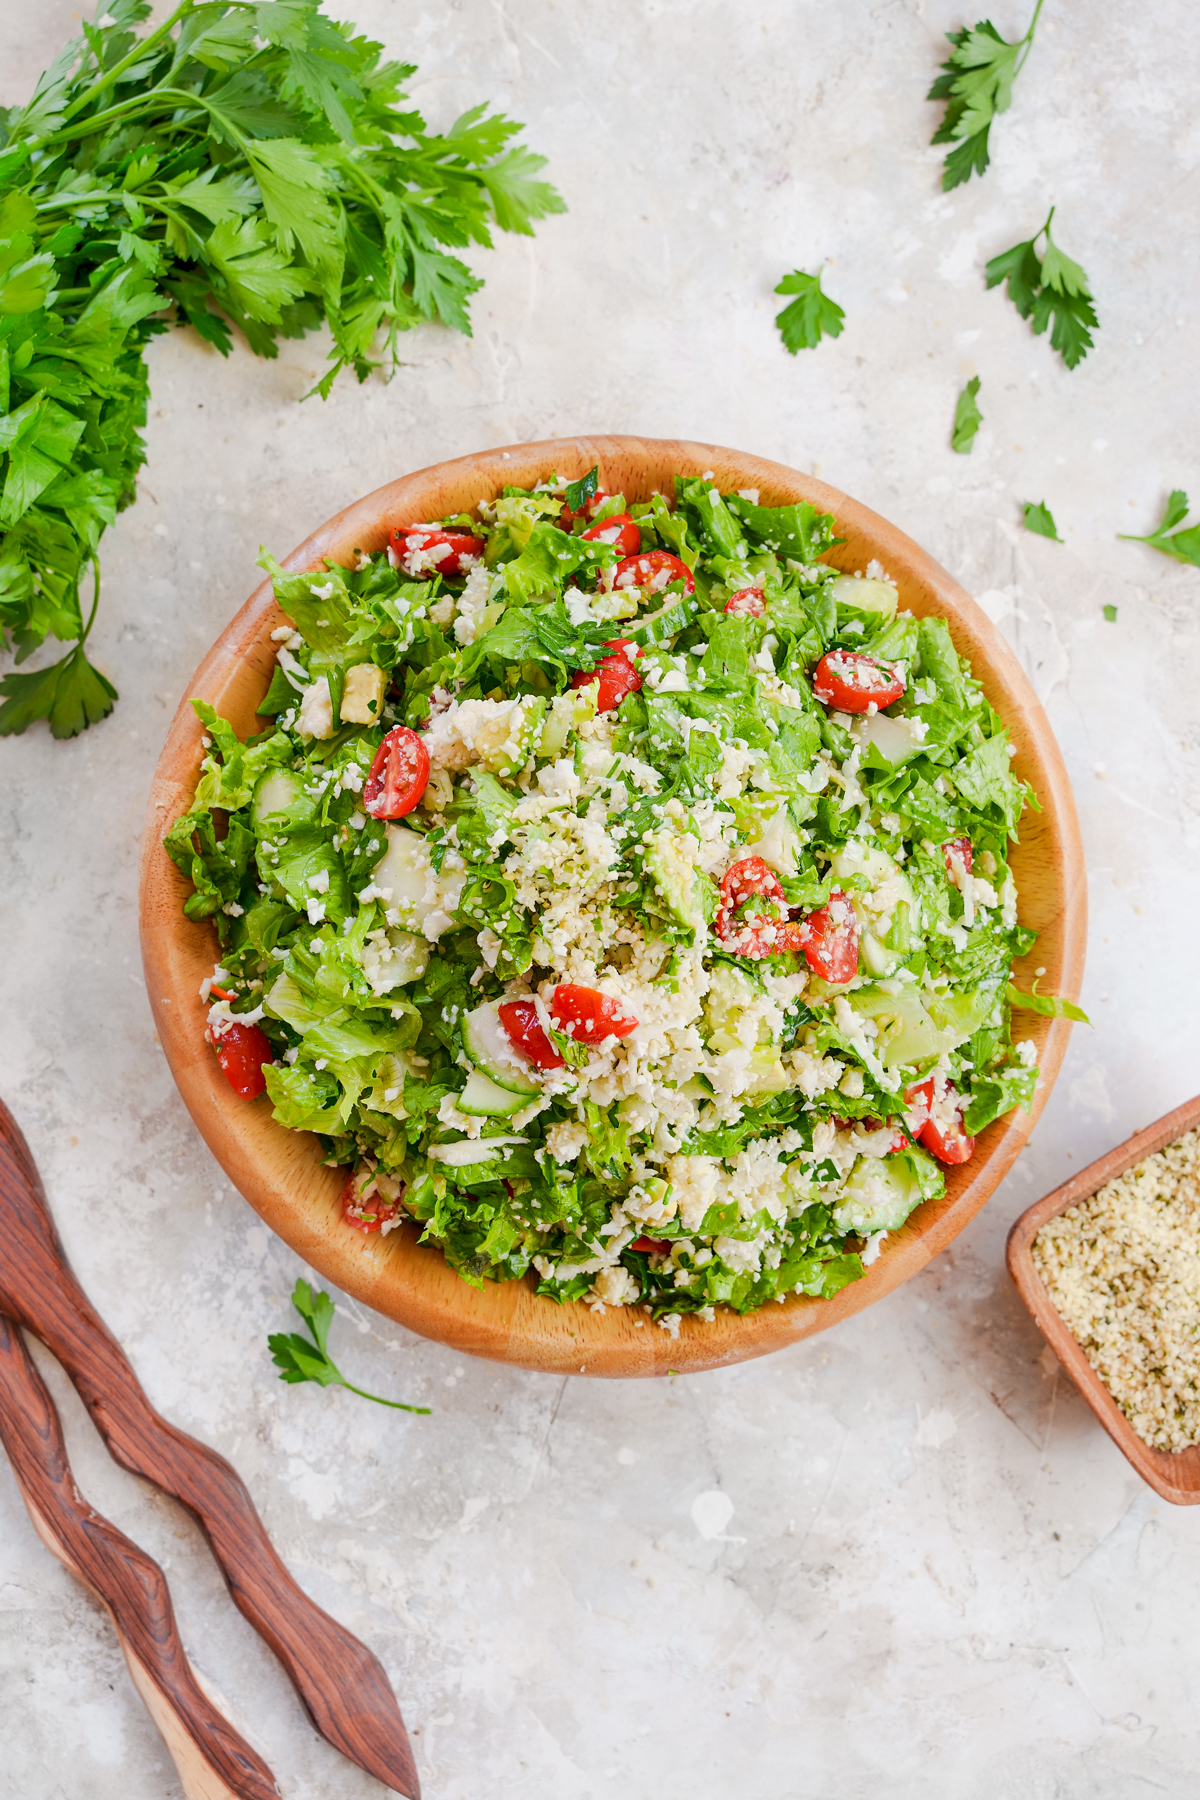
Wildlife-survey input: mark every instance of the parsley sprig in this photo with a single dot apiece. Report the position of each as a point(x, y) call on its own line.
point(1038, 517)
point(239, 164)
point(1048, 287)
point(811, 316)
point(967, 418)
point(976, 84)
point(298, 1359)
point(1184, 546)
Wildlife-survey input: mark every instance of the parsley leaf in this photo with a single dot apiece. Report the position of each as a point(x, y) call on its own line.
point(813, 315)
point(1184, 546)
point(1048, 287)
point(298, 1359)
point(976, 84)
point(1039, 518)
point(249, 166)
point(1049, 1005)
point(967, 418)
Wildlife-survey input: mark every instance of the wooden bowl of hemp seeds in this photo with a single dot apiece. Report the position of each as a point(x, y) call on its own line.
point(1109, 1266)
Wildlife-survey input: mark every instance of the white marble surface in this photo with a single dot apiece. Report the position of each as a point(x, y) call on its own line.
point(898, 1560)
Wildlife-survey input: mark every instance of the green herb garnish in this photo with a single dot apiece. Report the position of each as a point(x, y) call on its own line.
point(811, 316)
point(977, 84)
point(299, 1360)
point(248, 165)
point(1045, 287)
point(967, 418)
point(1184, 546)
point(1039, 518)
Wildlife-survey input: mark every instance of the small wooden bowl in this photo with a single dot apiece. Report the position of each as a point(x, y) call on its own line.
point(1175, 1474)
point(280, 1172)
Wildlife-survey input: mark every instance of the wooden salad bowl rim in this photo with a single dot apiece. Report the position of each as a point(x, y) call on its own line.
point(1175, 1474)
point(281, 1172)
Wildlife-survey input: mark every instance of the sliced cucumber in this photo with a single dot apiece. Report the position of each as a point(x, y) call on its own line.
point(471, 1150)
point(482, 1096)
point(668, 622)
point(486, 1043)
point(865, 596)
point(277, 792)
point(406, 876)
point(878, 1196)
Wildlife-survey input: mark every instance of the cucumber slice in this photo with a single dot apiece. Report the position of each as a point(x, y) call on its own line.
point(277, 792)
point(482, 1096)
point(405, 875)
point(865, 596)
point(486, 1043)
point(668, 622)
point(471, 1150)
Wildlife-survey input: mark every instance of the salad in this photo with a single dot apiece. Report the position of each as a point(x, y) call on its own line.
point(621, 892)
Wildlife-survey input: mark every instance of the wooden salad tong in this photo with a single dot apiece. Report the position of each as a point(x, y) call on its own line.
point(342, 1685)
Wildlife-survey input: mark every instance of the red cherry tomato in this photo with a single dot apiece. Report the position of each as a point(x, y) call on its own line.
point(620, 531)
point(652, 1246)
point(941, 1130)
point(851, 682)
point(567, 519)
point(399, 775)
point(764, 933)
point(589, 1016)
point(829, 939)
point(960, 847)
point(618, 677)
point(428, 550)
point(747, 603)
point(523, 1031)
point(241, 1051)
point(655, 570)
point(365, 1214)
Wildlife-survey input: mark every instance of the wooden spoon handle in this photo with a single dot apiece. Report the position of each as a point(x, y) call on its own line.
point(341, 1683)
point(213, 1760)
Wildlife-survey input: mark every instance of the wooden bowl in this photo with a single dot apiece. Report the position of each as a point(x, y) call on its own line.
point(280, 1171)
point(1175, 1474)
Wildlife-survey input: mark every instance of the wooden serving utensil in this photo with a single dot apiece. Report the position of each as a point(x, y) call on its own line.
point(213, 1760)
point(342, 1685)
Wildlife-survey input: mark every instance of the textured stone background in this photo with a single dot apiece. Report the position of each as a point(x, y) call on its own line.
point(897, 1560)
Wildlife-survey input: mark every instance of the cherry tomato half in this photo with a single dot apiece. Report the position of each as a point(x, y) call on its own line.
point(428, 550)
point(399, 775)
point(766, 931)
point(618, 677)
point(652, 1246)
point(370, 1214)
point(655, 570)
point(942, 1128)
point(957, 847)
point(851, 682)
point(241, 1051)
point(747, 603)
point(587, 1015)
point(620, 531)
point(523, 1031)
point(567, 520)
point(829, 939)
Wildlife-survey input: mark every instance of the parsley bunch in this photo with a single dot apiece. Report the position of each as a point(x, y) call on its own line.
point(244, 163)
point(1048, 287)
point(977, 84)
